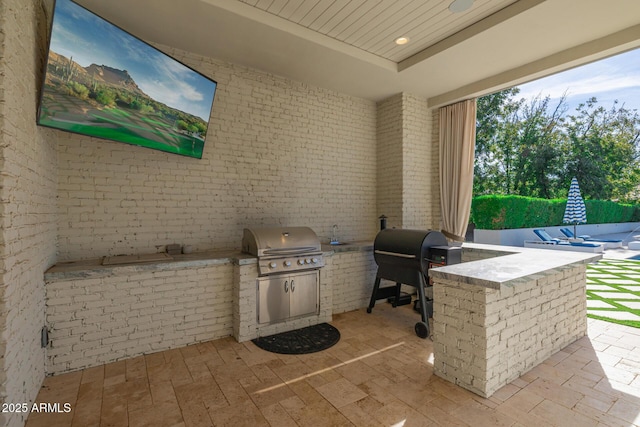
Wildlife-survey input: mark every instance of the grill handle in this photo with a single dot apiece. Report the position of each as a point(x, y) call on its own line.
point(286, 286)
point(290, 251)
point(396, 254)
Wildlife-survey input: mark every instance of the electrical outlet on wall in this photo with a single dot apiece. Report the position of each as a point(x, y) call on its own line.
point(44, 337)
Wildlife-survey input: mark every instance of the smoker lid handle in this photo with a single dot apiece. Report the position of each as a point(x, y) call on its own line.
point(409, 256)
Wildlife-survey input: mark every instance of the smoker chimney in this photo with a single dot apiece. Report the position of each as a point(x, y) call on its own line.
point(383, 222)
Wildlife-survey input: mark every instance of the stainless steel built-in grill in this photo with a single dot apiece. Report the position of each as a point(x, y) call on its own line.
point(405, 256)
point(283, 249)
point(289, 260)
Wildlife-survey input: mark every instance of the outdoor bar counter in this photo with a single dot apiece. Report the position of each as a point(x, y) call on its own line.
point(505, 310)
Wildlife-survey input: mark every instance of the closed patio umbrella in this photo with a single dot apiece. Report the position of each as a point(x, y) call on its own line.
point(575, 212)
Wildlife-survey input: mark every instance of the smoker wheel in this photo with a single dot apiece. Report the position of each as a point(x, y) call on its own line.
point(368, 309)
point(422, 329)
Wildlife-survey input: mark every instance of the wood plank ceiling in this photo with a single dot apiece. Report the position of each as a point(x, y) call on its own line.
point(373, 25)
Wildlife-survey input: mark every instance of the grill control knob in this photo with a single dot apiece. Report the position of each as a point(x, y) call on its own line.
point(287, 263)
point(273, 265)
point(301, 261)
point(307, 261)
point(314, 260)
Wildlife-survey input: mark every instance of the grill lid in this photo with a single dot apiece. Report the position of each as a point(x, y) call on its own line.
point(403, 255)
point(408, 244)
point(283, 249)
point(279, 241)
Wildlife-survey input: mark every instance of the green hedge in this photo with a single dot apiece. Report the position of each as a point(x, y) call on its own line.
point(505, 212)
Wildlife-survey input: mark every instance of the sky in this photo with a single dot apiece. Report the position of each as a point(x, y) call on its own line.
point(614, 78)
point(89, 39)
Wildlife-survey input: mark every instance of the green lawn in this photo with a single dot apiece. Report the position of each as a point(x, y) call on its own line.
point(613, 291)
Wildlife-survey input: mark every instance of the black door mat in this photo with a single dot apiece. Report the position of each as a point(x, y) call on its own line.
point(301, 341)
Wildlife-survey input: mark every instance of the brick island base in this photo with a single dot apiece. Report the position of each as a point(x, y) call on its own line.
point(487, 334)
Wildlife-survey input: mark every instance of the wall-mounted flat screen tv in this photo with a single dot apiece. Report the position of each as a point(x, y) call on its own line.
point(103, 82)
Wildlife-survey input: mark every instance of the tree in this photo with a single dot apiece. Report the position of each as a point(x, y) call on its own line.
point(493, 147)
point(538, 164)
point(528, 148)
point(601, 150)
point(516, 145)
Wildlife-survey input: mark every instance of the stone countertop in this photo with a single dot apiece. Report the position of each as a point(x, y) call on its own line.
point(510, 266)
point(90, 268)
point(364, 245)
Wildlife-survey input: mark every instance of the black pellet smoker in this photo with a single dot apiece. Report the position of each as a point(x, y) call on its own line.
point(404, 257)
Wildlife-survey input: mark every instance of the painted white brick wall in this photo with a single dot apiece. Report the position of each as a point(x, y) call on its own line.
point(418, 165)
point(352, 277)
point(244, 301)
point(485, 338)
point(408, 174)
point(278, 152)
point(27, 204)
point(389, 151)
point(103, 319)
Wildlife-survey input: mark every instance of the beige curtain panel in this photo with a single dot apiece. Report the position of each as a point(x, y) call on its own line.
point(457, 151)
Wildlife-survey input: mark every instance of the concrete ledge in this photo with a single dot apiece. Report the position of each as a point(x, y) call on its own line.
point(590, 247)
point(516, 237)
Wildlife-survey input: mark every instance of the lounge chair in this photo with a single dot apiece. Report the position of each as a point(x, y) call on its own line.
point(548, 242)
point(608, 243)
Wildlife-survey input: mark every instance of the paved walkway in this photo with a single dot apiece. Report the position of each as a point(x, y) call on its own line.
point(613, 291)
point(613, 283)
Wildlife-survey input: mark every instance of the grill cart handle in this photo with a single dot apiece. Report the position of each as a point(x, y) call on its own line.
point(408, 256)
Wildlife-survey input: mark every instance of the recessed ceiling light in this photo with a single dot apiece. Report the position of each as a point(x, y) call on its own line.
point(402, 40)
point(458, 6)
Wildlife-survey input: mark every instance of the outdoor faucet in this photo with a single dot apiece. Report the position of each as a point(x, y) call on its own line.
point(334, 234)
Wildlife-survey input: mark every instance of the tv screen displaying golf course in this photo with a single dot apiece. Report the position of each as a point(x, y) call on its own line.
point(103, 82)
